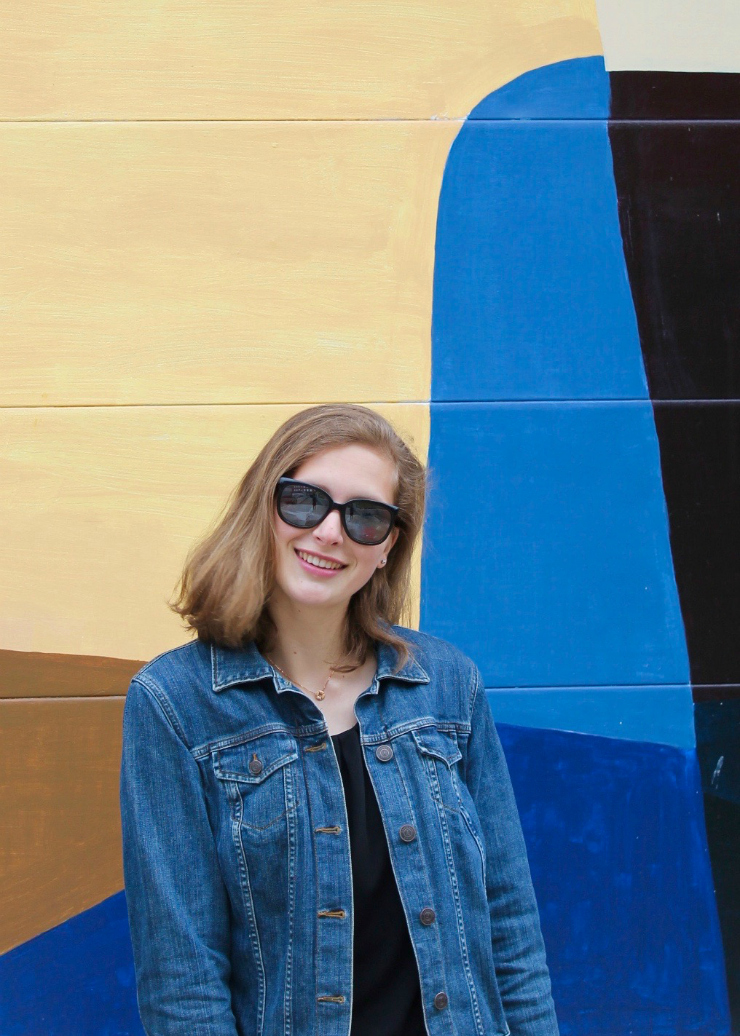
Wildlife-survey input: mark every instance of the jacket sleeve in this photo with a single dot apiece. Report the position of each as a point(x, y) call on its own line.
point(518, 948)
point(177, 903)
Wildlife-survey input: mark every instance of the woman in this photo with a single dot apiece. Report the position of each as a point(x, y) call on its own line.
point(319, 830)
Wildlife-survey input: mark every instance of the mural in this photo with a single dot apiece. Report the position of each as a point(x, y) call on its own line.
point(524, 254)
point(568, 583)
point(676, 144)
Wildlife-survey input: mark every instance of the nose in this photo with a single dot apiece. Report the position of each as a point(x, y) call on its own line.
point(330, 530)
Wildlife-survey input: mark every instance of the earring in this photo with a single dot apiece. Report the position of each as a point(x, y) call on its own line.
point(382, 561)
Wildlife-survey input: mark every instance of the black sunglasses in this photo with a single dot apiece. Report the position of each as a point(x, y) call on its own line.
point(305, 506)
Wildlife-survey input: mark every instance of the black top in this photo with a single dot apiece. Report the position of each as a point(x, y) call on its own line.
point(386, 992)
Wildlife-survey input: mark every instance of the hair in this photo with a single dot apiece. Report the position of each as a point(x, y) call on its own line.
point(229, 575)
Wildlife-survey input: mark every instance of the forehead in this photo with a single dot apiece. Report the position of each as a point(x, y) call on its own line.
point(350, 471)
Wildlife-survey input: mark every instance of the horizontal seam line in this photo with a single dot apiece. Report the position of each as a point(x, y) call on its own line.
point(599, 686)
point(287, 402)
point(578, 399)
point(65, 697)
point(372, 120)
point(373, 402)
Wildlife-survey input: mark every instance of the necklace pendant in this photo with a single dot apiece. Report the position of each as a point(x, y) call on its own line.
point(320, 695)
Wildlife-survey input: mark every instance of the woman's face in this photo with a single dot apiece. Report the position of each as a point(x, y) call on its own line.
point(345, 473)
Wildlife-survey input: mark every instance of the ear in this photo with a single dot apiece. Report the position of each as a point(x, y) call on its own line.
point(394, 537)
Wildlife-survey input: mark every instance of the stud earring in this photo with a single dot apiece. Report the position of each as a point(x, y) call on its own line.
point(382, 561)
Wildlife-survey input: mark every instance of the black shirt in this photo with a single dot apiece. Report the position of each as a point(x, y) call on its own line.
point(386, 992)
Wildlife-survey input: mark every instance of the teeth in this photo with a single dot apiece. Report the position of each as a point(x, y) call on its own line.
point(318, 562)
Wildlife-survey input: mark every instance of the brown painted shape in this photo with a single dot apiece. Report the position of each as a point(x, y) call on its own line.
point(60, 841)
point(33, 674)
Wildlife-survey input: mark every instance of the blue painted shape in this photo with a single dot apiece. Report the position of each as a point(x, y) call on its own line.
point(546, 555)
point(575, 89)
point(616, 843)
point(75, 980)
point(658, 714)
point(531, 295)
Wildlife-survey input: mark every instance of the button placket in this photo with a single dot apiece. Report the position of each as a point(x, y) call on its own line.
point(407, 860)
point(334, 944)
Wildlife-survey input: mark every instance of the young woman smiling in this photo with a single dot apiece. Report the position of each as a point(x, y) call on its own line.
point(319, 831)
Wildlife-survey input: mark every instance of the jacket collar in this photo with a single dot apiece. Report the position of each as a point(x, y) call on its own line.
point(230, 667)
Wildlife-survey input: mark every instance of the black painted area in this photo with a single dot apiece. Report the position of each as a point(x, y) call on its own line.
point(718, 750)
point(675, 95)
point(722, 819)
point(716, 692)
point(700, 460)
point(678, 189)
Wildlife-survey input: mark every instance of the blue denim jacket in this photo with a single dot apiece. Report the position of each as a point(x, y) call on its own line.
point(237, 857)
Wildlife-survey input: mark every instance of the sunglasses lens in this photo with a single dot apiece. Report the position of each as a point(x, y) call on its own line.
point(368, 522)
point(302, 506)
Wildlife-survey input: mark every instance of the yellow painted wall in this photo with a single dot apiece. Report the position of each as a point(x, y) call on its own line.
point(104, 504)
point(295, 59)
point(218, 262)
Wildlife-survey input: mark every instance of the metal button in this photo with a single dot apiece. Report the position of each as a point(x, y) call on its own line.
point(384, 753)
point(441, 1000)
point(407, 832)
point(427, 916)
point(255, 766)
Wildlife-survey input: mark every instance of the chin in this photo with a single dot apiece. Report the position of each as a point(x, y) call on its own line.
point(310, 595)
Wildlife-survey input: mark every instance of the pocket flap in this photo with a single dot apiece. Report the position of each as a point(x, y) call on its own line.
point(252, 762)
point(438, 744)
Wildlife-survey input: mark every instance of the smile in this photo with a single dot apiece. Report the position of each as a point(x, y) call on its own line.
point(316, 562)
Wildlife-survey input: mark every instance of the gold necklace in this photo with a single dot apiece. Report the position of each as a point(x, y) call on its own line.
point(318, 695)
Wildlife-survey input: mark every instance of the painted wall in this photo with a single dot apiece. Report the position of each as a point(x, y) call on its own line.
point(458, 214)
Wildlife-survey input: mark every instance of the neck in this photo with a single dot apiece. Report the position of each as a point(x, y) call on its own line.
point(306, 641)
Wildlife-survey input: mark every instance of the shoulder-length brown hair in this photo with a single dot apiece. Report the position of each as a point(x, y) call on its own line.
point(228, 576)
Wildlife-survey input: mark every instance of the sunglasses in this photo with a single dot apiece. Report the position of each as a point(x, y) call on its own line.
point(305, 506)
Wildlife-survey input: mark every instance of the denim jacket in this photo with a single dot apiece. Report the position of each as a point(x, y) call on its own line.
point(237, 858)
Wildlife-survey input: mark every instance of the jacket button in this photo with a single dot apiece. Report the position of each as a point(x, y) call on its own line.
point(441, 1001)
point(407, 832)
point(384, 753)
point(427, 916)
point(255, 766)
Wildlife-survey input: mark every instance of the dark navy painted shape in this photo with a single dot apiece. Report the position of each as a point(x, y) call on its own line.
point(718, 748)
point(662, 714)
point(723, 834)
point(546, 555)
point(75, 980)
point(531, 297)
point(575, 89)
point(615, 837)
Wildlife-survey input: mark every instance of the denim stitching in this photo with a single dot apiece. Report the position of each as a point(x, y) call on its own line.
point(246, 890)
point(434, 780)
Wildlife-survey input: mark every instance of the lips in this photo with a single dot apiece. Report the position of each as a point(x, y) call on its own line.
point(318, 563)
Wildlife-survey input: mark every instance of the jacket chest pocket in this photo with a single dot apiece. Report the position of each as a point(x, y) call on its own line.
point(260, 779)
point(440, 754)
